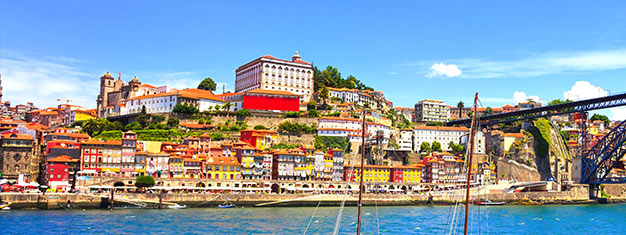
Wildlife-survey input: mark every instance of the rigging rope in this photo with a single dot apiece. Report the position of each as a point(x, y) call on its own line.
point(312, 216)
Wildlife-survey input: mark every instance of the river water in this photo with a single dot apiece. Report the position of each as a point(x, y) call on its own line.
point(579, 219)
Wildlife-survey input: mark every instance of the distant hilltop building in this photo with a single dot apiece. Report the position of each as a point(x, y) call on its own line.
point(115, 92)
point(270, 73)
point(431, 111)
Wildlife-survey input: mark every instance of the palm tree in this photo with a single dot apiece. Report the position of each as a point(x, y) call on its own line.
point(460, 105)
point(226, 106)
point(90, 126)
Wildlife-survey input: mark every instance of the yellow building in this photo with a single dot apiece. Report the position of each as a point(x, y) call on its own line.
point(176, 167)
point(82, 115)
point(328, 167)
point(373, 174)
point(407, 174)
point(227, 168)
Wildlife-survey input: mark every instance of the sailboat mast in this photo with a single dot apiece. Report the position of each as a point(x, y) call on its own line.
point(469, 162)
point(358, 227)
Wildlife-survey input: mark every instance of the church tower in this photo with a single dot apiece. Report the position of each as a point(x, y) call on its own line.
point(106, 86)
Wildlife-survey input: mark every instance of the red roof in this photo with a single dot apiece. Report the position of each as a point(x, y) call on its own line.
point(62, 158)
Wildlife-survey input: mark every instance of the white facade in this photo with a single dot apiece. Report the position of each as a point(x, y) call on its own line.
point(350, 127)
point(431, 111)
point(270, 73)
point(440, 134)
point(154, 104)
point(405, 142)
point(479, 140)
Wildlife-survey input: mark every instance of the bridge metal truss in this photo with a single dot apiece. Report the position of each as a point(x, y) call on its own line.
point(551, 110)
point(598, 161)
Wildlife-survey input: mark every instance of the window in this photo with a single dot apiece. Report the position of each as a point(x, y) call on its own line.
point(51, 176)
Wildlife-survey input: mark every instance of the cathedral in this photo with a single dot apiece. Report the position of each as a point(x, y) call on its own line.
point(114, 93)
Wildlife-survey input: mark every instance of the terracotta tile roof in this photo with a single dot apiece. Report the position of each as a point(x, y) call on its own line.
point(516, 135)
point(17, 136)
point(229, 94)
point(62, 158)
point(186, 93)
point(148, 85)
point(442, 128)
point(270, 92)
point(49, 113)
point(274, 58)
point(196, 126)
point(222, 161)
point(260, 131)
point(508, 106)
point(108, 142)
point(340, 119)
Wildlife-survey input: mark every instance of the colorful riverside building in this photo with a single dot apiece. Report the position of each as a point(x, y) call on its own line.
point(227, 168)
point(60, 173)
point(373, 173)
point(176, 167)
point(101, 156)
point(260, 139)
point(129, 146)
point(337, 164)
point(442, 168)
point(406, 174)
point(192, 168)
point(249, 166)
point(284, 162)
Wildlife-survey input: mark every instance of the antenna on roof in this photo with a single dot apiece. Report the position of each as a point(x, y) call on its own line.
point(223, 88)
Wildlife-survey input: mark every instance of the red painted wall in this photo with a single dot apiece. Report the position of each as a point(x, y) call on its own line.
point(59, 169)
point(271, 103)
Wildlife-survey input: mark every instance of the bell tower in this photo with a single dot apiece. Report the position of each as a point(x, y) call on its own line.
point(106, 86)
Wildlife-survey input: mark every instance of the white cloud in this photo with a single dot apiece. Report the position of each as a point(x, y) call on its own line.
point(443, 70)
point(582, 90)
point(520, 97)
point(531, 66)
point(618, 114)
point(43, 82)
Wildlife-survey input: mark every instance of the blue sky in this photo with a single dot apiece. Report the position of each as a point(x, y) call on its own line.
point(412, 50)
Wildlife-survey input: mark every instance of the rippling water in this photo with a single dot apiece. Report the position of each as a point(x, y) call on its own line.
point(582, 219)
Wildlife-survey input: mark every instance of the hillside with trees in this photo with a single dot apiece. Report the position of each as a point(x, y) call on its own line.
point(331, 77)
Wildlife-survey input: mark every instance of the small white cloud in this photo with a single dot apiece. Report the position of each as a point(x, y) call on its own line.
point(521, 97)
point(443, 70)
point(618, 114)
point(583, 90)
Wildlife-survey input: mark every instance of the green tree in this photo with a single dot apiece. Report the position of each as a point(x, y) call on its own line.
point(489, 111)
point(187, 109)
point(425, 147)
point(133, 126)
point(172, 122)
point(324, 93)
point(313, 113)
point(144, 181)
point(227, 107)
point(436, 146)
point(244, 113)
point(90, 126)
point(157, 119)
point(311, 105)
point(260, 127)
point(603, 118)
point(207, 84)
